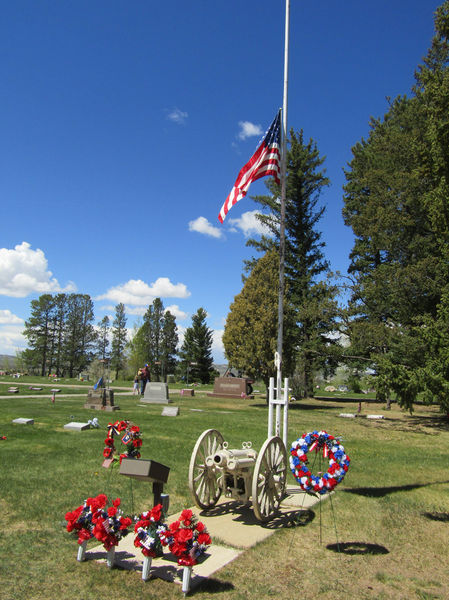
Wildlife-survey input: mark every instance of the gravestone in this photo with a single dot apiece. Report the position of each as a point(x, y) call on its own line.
point(232, 387)
point(170, 411)
point(75, 426)
point(187, 392)
point(375, 417)
point(156, 392)
point(101, 399)
point(22, 421)
point(347, 415)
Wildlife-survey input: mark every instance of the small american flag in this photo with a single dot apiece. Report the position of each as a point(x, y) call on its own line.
point(264, 161)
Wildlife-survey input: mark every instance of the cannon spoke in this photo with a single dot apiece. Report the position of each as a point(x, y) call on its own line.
point(269, 478)
point(204, 481)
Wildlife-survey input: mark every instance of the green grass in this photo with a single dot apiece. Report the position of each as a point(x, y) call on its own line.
point(391, 512)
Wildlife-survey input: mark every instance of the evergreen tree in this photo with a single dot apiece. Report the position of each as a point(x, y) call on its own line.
point(396, 203)
point(119, 335)
point(169, 342)
point(80, 335)
point(250, 332)
point(103, 339)
point(308, 291)
point(38, 331)
point(197, 348)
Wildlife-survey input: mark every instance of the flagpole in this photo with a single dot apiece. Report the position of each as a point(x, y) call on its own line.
point(283, 197)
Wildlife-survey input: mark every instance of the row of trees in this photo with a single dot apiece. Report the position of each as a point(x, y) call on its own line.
point(396, 202)
point(62, 339)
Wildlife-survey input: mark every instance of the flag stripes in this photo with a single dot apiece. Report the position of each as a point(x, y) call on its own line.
point(264, 162)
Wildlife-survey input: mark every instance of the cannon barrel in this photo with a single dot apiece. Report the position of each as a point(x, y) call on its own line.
point(232, 459)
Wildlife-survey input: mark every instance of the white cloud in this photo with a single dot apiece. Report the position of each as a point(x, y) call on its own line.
point(249, 224)
point(202, 225)
point(138, 293)
point(177, 116)
point(248, 129)
point(8, 318)
point(24, 271)
point(217, 344)
point(11, 338)
point(177, 312)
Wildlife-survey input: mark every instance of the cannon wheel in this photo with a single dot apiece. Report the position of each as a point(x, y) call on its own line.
point(203, 480)
point(269, 478)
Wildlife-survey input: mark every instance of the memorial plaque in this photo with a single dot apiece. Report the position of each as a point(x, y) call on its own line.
point(232, 387)
point(22, 421)
point(75, 426)
point(156, 392)
point(170, 411)
point(145, 470)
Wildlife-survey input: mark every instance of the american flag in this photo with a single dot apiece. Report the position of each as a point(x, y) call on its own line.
point(264, 161)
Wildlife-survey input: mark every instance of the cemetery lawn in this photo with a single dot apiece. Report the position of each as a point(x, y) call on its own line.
point(391, 513)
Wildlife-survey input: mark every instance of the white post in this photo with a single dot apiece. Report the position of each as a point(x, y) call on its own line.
point(186, 577)
point(110, 558)
point(270, 407)
point(146, 567)
point(81, 551)
point(285, 425)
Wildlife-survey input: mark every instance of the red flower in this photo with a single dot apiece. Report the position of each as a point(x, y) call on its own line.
point(186, 561)
point(109, 442)
point(137, 443)
point(186, 514)
point(83, 535)
point(200, 526)
point(122, 456)
point(174, 526)
point(125, 522)
point(184, 535)
point(204, 538)
point(135, 429)
point(178, 548)
point(112, 511)
point(121, 426)
point(107, 452)
point(116, 502)
point(156, 512)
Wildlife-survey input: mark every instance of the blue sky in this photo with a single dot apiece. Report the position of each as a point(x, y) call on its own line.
point(124, 125)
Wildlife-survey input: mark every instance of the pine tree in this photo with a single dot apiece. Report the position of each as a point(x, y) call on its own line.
point(250, 332)
point(169, 342)
point(197, 348)
point(103, 339)
point(308, 291)
point(119, 335)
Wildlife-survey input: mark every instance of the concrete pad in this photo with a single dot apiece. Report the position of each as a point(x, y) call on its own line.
point(375, 417)
point(229, 524)
point(127, 556)
point(22, 421)
point(75, 426)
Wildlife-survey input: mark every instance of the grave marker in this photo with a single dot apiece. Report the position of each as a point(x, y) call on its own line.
point(76, 426)
point(170, 411)
point(156, 392)
point(22, 421)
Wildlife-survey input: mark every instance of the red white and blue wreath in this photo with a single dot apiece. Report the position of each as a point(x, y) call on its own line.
point(320, 441)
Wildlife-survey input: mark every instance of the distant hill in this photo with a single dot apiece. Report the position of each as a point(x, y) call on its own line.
point(7, 361)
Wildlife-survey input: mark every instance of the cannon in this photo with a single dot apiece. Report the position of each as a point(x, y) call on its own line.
point(239, 474)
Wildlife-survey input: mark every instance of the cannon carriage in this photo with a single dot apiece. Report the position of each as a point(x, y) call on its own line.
point(239, 474)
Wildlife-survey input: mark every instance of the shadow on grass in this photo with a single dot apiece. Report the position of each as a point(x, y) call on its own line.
point(436, 516)
point(380, 492)
point(357, 548)
point(243, 513)
point(213, 586)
